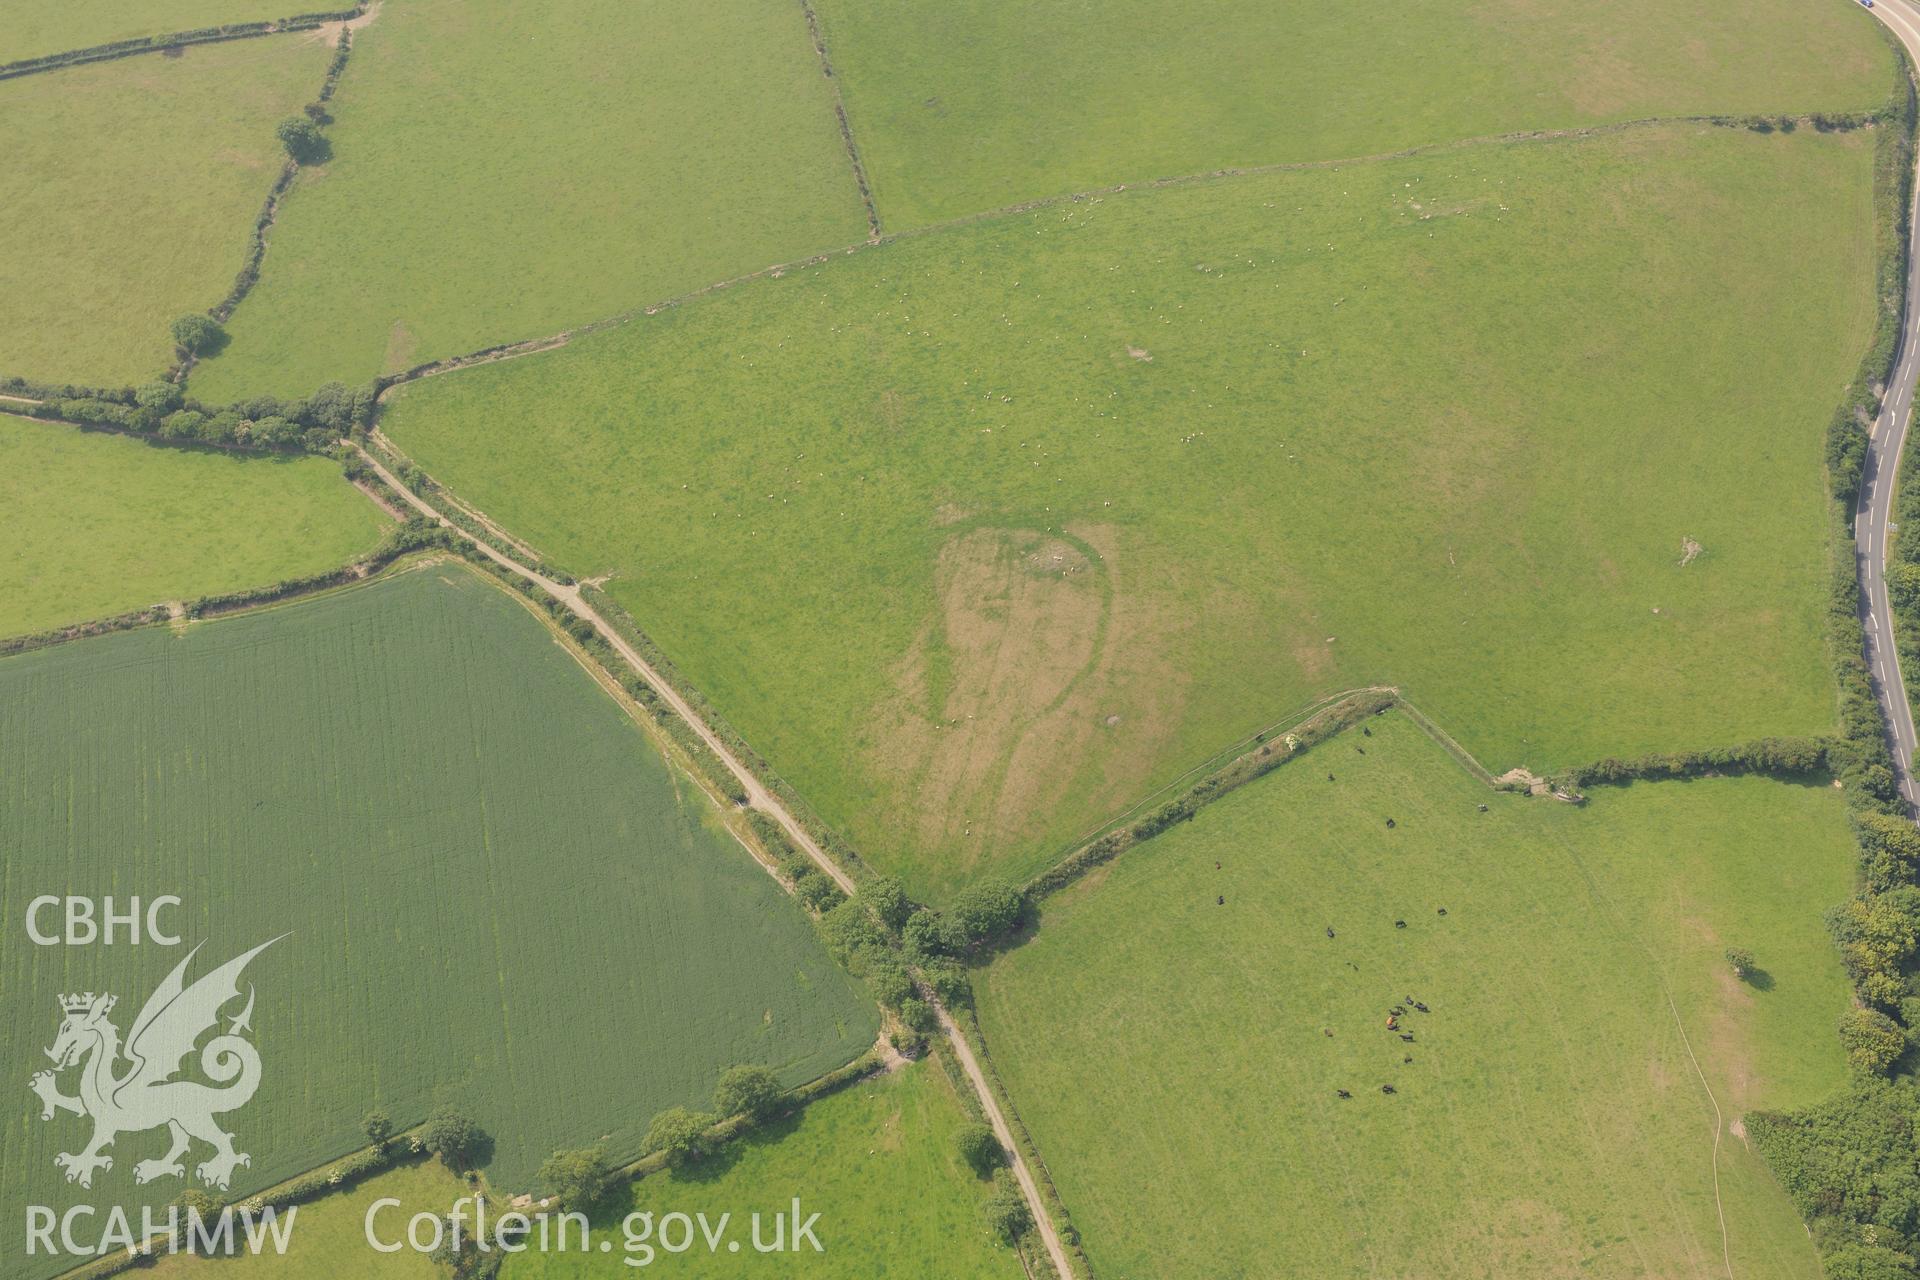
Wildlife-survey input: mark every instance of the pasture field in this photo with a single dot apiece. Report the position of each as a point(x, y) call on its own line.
point(493, 893)
point(147, 174)
point(100, 524)
point(960, 107)
point(502, 172)
point(1551, 1121)
point(877, 1162)
point(329, 1234)
point(35, 28)
point(980, 536)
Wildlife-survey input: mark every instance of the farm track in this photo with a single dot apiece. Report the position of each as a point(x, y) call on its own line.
point(759, 797)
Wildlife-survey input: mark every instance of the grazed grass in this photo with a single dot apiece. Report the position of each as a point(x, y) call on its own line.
point(503, 171)
point(35, 28)
point(877, 1162)
point(136, 183)
point(979, 536)
point(494, 893)
point(329, 1236)
point(975, 104)
point(100, 524)
point(1551, 1122)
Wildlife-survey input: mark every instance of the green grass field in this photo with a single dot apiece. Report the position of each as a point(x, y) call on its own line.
point(960, 107)
point(877, 1163)
point(147, 175)
point(100, 524)
point(495, 892)
point(980, 536)
point(617, 157)
point(1551, 1122)
point(36, 28)
point(329, 1237)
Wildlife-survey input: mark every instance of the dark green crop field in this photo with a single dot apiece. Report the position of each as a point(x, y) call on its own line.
point(493, 892)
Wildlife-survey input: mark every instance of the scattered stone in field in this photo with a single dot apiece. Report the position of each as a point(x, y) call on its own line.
point(1689, 549)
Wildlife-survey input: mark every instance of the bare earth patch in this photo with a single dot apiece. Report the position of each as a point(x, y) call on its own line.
point(1009, 694)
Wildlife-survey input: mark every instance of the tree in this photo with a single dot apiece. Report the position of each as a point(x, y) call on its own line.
point(152, 403)
point(1008, 1217)
point(888, 899)
point(820, 893)
point(275, 431)
point(303, 140)
point(748, 1090)
point(987, 910)
point(183, 424)
point(1903, 583)
point(1877, 933)
point(1742, 961)
point(453, 1136)
point(918, 1014)
point(1868, 1262)
point(950, 982)
point(926, 934)
point(331, 407)
point(1889, 851)
point(679, 1133)
point(579, 1178)
point(378, 1127)
point(1872, 1040)
point(195, 1200)
point(980, 1149)
point(197, 333)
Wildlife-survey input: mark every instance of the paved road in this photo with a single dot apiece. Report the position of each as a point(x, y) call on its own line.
point(1873, 519)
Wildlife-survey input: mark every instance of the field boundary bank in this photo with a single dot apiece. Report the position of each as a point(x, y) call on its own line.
point(365, 1163)
point(177, 40)
point(400, 546)
point(548, 342)
point(1326, 720)
point(846, 126)
point(249, 274)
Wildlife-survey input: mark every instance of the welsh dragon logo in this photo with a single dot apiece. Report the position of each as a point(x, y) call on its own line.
point(144, 1094)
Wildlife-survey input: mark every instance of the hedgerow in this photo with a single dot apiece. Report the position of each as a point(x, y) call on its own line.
point(174, 40)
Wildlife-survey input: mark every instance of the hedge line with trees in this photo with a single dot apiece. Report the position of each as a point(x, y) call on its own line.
point(1269, 755)
point(1850, 1163)
point(174, 40)
point(264, 424)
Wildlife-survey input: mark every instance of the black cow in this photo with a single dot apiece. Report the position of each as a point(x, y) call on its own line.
point(1343, 1093)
